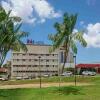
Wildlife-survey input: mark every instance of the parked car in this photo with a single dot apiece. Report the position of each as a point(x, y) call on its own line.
point(3, 78)
point(25, 77)
point(91, 73)
point(68, 73)
point(46, 75)
point(19, 78)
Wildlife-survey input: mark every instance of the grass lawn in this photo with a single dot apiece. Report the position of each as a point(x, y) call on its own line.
point(54, 93)
point(91, 92)
point(80, 79)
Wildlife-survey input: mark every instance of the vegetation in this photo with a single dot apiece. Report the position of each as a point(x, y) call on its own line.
point(65, 37)
point(80, 79)
point(10, 34)
point(91, 92)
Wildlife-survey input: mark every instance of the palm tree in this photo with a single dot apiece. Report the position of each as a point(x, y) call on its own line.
point(10, 34)
point(65, 37)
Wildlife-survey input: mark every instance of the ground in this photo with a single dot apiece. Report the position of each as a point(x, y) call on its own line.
point(42, 85)
point(89, 91)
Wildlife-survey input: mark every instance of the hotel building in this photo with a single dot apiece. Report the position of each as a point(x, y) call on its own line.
point(36, 60)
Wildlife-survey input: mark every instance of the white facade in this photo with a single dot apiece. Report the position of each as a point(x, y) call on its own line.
point(29, 64)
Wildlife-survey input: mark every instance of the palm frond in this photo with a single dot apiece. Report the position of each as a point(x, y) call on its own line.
point(19, 46)
point(73, 46)
point(2, 14)
point(22, 34)
point(16, 19)
point(79, 37)
point(18, 26)
point(8, 14)
point(57, 41)
point(73, 21)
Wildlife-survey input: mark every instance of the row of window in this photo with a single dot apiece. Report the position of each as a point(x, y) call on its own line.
point(32, 71)
point(53, 60)
point(35, 66)
point(31, 54)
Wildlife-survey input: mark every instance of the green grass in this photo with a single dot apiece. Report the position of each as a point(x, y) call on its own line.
point(86, 79)
point(91, 92)
point(54, 93)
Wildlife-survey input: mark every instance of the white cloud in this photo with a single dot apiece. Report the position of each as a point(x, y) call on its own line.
point(92, 36)
point(31, 11)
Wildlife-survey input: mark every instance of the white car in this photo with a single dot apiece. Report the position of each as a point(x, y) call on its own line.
point(3, 78)
point(46, 75)
point(19, 78)
point(88, 73)
point(68, 73)
point(25, 77)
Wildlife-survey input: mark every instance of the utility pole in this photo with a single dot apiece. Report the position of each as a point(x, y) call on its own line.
point(40, 70)
point(75, 69)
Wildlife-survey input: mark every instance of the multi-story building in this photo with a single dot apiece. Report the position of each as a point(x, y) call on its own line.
point(36, 60)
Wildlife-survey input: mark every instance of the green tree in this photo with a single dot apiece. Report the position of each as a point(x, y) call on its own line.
point(10, 34)
point(65, 37)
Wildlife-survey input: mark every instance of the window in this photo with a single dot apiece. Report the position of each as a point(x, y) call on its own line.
point(30, 54)
point(24, 54)
point(17, 54)
point(41, 65)
point(35, 65)
point(47, 65)
point(14, 54)
point(41, 60)
point(22, 66)
point(53, 60)
point(42, 54)
point(23, 59)
point(29, 65)
point(15, 66)
point(17, 59)
point(29, 59)
point(62, 58)
point(47, 54)
point(35, 60)
point(47, 60)
point(35, 54)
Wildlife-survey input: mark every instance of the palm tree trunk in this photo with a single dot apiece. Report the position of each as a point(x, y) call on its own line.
point(65, 55)
point(65, 59)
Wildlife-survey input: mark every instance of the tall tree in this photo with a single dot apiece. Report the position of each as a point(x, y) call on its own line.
point(10, 34)
point(65, 37)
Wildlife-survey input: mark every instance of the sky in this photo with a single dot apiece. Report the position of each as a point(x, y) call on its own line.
point(39, 16)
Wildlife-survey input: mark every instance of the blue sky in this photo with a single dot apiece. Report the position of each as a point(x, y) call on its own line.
point(39, 17)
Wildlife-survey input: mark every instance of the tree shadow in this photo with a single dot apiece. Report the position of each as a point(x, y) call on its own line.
point(6, 93)
point(3, 95)
point(69, 90)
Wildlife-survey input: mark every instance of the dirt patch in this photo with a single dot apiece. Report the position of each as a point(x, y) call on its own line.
point(43, 85)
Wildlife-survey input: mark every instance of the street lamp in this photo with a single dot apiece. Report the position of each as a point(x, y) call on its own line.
point(39, 70)
point(75, 69)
